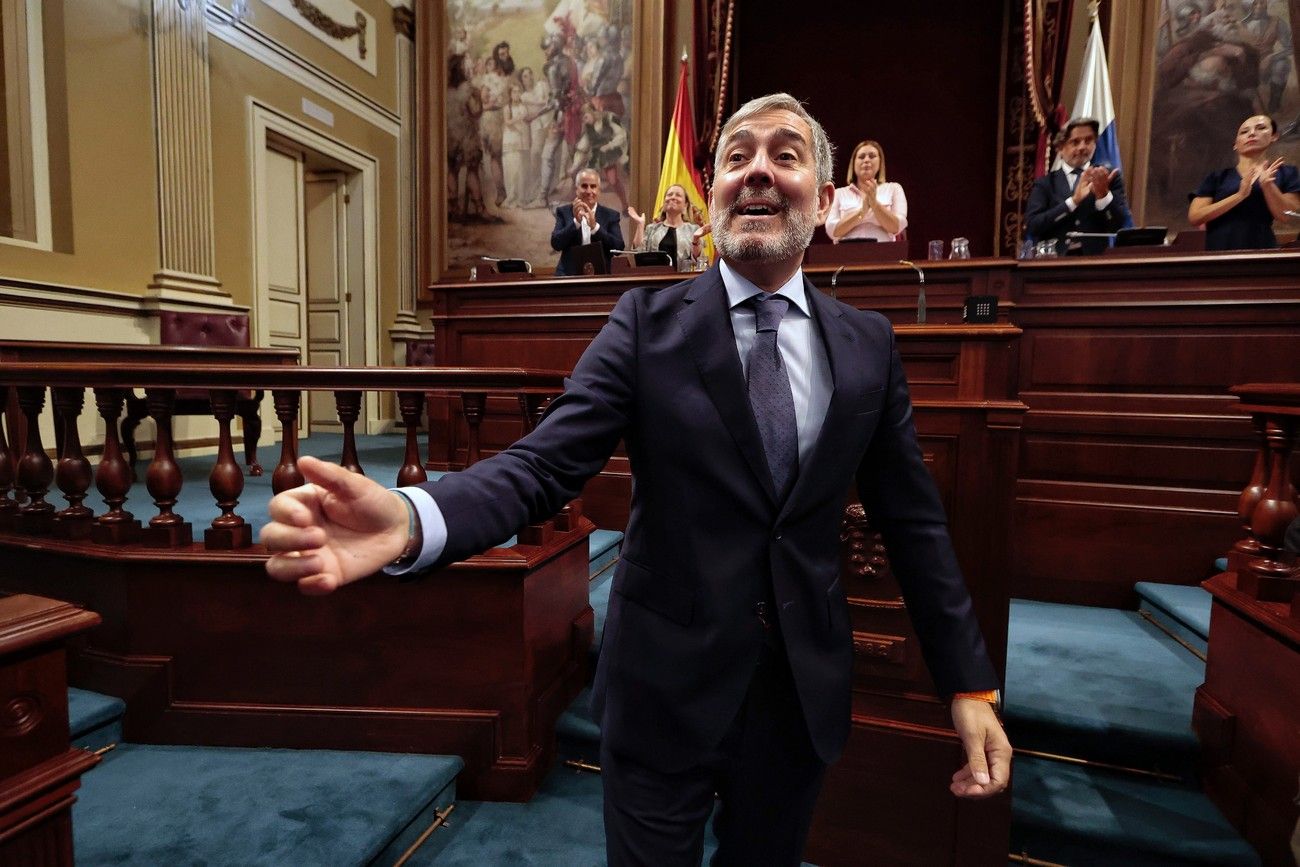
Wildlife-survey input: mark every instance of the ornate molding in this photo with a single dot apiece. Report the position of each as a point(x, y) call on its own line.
point(404, 21)
point(315, 16)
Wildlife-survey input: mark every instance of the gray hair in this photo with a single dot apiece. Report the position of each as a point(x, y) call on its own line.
point(821, 145)
point(587, 171)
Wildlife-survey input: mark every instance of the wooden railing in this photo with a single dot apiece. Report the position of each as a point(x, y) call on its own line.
point(30, 475)
point(1268, 502)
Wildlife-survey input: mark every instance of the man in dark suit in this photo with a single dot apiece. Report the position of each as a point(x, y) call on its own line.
point(1077, 197)
point(584, 222)
point(746, 399)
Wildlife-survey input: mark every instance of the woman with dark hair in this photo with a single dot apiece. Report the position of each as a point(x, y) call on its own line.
point(869, 207)
point(671, 231)
point(1238, 205)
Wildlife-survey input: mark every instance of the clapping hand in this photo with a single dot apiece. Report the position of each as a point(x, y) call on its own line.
point(639, 219)
point(337, 528)
point(1099, 180)
point(582, 213)
point(869, 195)
point(1268, 174)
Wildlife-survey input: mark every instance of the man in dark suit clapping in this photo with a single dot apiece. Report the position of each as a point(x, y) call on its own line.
point(584, 222)
point(1077, 197)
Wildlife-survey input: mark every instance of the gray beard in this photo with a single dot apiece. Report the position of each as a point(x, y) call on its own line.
point(790, 242)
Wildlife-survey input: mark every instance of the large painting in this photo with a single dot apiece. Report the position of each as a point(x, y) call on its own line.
point(536, 90)
point(1217, 63)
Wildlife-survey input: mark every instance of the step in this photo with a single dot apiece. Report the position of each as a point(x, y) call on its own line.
point(1083, 816)
point(1183, 610)
point(1100, 684)
point(94, 720)
point(148, 804)
point(604, 546)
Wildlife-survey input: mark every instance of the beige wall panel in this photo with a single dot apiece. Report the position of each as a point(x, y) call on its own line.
point(382, 87)
point(235, 78)
point(111, 161)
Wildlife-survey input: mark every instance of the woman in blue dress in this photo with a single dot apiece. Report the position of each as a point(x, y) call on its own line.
point(1238, 205)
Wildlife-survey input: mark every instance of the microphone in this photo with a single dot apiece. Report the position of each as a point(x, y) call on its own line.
point(920, 296)
point(835, 279)
point(1073, 235)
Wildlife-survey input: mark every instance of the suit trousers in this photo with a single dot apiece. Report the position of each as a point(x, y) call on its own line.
point(765, 773)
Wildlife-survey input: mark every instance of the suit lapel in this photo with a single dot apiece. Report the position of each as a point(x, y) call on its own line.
point(845, 361)
point(706, 321)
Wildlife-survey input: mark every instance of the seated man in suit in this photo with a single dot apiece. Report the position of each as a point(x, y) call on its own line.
point(584, 222)
point(748, 401)
point(1077, 197)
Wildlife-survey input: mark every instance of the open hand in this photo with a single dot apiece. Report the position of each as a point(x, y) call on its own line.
point(337, 528)
point(988, 752)
point(639, 219)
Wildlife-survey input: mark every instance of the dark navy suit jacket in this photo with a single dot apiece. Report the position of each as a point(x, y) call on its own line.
point(566, 235)
point(1047, 217)
point(707, 537)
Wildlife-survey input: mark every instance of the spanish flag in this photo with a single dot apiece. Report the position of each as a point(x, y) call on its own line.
point(679, 160)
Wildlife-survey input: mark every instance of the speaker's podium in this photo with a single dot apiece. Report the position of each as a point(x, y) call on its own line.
point(855, 252)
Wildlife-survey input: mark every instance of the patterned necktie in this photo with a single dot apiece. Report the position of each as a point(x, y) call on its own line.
point(770, 395)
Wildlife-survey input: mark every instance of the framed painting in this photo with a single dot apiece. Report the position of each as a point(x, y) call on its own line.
point(525, 94)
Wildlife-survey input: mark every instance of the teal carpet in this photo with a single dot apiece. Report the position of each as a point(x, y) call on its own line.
point(1118, 685)
point(177, 805)
point(1082, 816)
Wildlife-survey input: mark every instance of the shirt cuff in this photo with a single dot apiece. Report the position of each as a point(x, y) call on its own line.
point(435, 531)
point(1070, 204)
point(1104, 202)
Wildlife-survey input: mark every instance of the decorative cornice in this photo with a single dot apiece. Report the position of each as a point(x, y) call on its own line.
point(331, 28)
point(404, 21)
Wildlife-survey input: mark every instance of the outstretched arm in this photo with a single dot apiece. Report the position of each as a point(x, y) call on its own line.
point(337, 528)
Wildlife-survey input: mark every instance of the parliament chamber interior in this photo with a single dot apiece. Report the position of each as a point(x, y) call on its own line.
point(237, 233)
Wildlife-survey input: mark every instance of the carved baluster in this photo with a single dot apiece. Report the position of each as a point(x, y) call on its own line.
point(286, 475)
point(163, 478)
point(73, 470)
point(410, 403)
point(8, 505)
point(251, 412)
point(35, 471)
point(531, 407)
point(429, 398)
point(228, 530)
point(1267, 577)
point(1246, 549)
point(472, 404)
point(113, 476)
point(348, 404)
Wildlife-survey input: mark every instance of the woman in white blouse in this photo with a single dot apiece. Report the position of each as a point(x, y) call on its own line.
point(869, 207)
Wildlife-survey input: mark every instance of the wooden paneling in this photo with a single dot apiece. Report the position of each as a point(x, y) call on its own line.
point(1245, 715)
point(1132, 450)
point(478, 660)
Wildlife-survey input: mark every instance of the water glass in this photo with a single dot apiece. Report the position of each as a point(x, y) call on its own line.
point(1045, 250)
point(960, 249)
point(936, 250)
